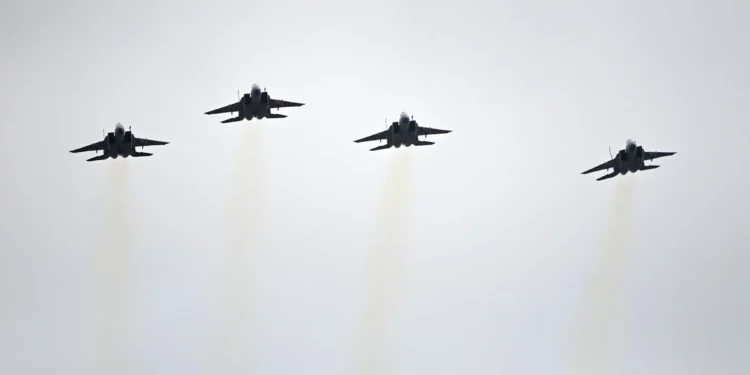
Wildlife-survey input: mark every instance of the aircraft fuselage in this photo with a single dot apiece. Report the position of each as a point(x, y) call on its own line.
point(630, 159)
point(403, 132)
point(119, 143)
point(255, 104)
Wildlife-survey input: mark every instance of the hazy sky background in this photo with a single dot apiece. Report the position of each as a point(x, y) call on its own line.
point(262, 247)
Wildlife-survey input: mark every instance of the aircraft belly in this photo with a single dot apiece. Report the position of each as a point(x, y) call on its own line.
point(409, 140)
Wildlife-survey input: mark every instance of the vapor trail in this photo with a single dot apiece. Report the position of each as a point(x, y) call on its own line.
point(245, 212)
point(383, 265)
point(600, 331)
point(113, 269)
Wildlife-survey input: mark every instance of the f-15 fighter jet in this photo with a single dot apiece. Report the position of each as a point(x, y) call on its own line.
point(405, 132)
point(119, 143)
point(631, 159)
point(256, 104)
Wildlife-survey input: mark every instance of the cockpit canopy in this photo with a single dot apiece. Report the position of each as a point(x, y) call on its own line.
point(403, 119)
point(630, 146)
point(255, 91)
point(119, 130)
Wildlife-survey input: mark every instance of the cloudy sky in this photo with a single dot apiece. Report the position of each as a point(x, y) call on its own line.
point(281, 247)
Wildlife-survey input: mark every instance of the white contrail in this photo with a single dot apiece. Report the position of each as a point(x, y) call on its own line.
point(383, 264)
point(600, 331)
point(113, 270)
point(246, 211)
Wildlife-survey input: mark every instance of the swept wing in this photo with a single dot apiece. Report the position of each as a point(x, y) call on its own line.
point(375, 137)
point(96, 146)
point(650, 155)
point(431, 131)
point(606, 165)
point(143, 142)
point(276, 103)
point(229, 108)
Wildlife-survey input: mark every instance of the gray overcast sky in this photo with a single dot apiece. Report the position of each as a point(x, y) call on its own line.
point(281, 247)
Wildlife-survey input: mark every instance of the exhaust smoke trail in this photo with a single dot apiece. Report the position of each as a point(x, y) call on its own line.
point(113, 270)
point(600, 331)
point(382, 267)
point(246, 214)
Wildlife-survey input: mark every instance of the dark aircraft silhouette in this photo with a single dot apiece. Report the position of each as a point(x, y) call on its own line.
point(256, 104)
point(631, 159)
point(405, 132)
point(119, 143)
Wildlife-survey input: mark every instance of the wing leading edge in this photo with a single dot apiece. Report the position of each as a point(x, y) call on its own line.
point(96, 146)
point(276, 103)
point(650, 155)
point(431, 131)
point(229, 108)
point(143, 142)
point(606, 165)
point(375, 137)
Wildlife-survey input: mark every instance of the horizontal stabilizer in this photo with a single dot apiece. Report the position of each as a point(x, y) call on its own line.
point(100, 157)
point(233, 119)
point(613, 174)
point(423, 143)
point(139, 154)
point(647, 167)
point(383, 147)
point(275, 115)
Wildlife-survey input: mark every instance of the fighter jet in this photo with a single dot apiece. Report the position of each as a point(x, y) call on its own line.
point(405, 132)
point(256, 104)
point(119, 143)
point(631, 159)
